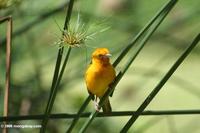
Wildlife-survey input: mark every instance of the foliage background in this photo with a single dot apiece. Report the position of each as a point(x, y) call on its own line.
point(34, 55)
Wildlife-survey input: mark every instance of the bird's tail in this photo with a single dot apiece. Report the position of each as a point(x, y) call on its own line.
point(106, 106)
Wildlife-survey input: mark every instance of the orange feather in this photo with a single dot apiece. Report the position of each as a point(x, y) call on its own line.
point(99, 75)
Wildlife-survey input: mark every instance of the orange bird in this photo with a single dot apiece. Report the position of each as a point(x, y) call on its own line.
point(99, 75)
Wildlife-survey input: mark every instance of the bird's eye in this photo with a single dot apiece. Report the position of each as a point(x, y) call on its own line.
point(100, 55)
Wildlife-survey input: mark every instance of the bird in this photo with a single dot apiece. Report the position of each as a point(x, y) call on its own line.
point(99, 75)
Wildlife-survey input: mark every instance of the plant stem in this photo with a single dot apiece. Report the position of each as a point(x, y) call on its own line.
point(122, 72)
point(79, 114)
point(57, 76)
point(140, 34)
point(8, 64)
point(124, 52)
point(101, 114)
point(160, 85)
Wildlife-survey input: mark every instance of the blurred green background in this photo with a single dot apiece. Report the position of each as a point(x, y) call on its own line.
point(34, 55)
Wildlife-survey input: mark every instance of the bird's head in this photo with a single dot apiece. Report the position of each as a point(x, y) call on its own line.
point(101, 55)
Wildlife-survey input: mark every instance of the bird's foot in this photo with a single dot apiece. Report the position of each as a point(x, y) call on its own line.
point(97, 107)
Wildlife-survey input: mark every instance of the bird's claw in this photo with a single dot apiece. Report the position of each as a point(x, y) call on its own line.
point(97, 107)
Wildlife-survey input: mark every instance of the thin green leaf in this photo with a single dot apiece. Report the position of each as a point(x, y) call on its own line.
point(122, 72)
point(164, 9)
point(67, 116)
point(75, 120)
point(160, 85)
point(56, 80)
point(142, 32)
point(54, 92)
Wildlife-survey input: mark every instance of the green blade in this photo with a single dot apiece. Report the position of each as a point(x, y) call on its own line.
point(129, 62)
point(160, 85)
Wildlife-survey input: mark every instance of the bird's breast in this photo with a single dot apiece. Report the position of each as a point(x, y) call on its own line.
point(98, 78)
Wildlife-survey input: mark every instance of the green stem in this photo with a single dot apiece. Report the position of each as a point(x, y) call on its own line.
point(101, 114)
point(56, 79)
point(55, 89)
point(160, 85)
point(141, 33)
point(79, 114)
point(124, 52)
point(164, 10)
point(121, 73)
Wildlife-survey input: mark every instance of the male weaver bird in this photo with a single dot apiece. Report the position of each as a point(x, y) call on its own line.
point(99, 75)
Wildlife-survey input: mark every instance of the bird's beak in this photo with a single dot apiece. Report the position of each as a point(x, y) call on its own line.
point(108, 55)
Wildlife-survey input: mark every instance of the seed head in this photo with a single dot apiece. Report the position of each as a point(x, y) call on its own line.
point(76, 36)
